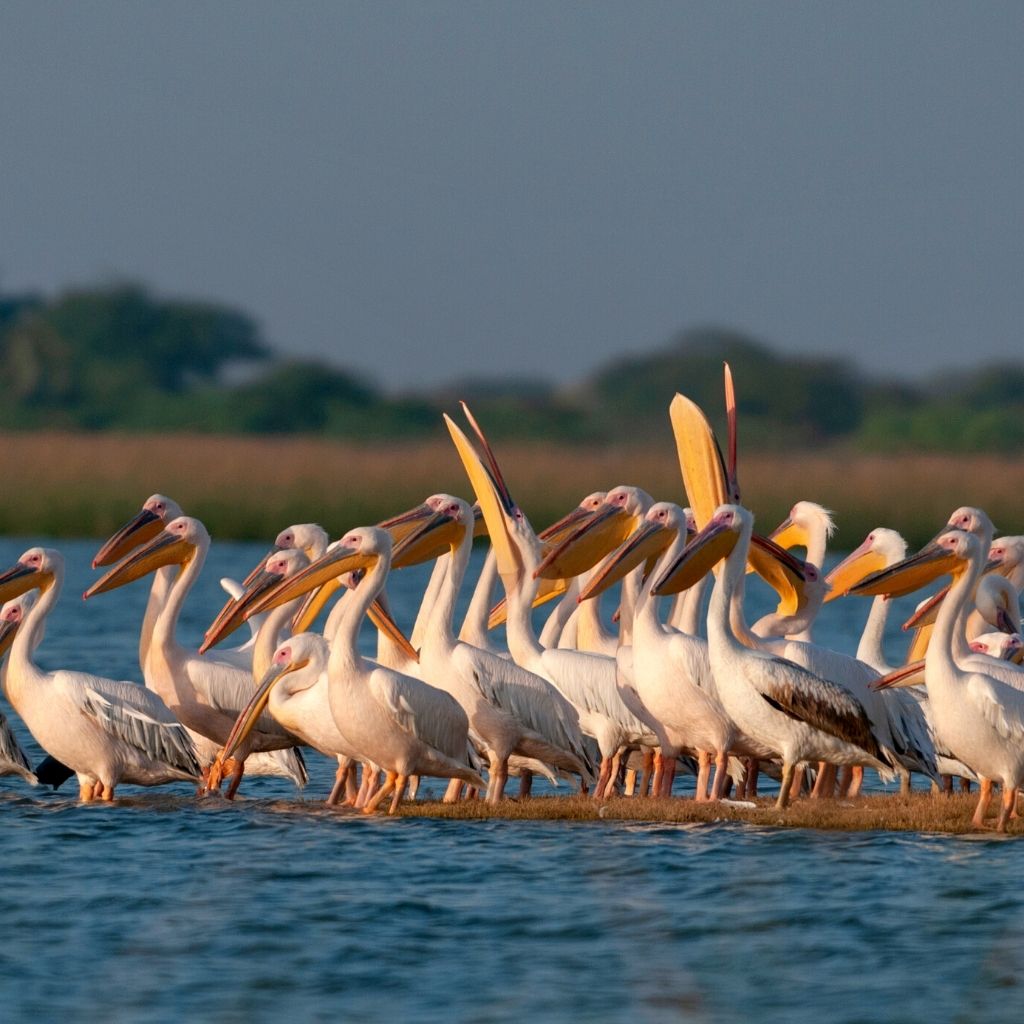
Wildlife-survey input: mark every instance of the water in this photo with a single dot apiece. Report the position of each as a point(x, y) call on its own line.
point(165, 908)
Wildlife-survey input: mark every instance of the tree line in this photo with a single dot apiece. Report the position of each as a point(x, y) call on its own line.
point(119, 357)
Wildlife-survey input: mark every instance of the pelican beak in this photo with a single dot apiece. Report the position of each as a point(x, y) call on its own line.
point(645, 543)
point(500, 511)
point(435, 534)
point(584, 546)
point(20, 579)
point(783, 572)
point(250, 714)
point(164, 549)
point(404, 523)
point(1005, 623)
point(558, 531)
point(314, 604)
point(700, 459)
point(138, 530)
point(232, 615)
point(910, 674)
point(928, 611)
point(258, 567)
point(858, 564)
point(547, 590)
point(931, 562)
point(789, 534)
point(700, 556)
point(381, 618)
point(8, 631)
point(919, 643)
point(329, 566)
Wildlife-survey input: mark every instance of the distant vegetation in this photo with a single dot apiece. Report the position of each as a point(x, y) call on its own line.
point(119, 358)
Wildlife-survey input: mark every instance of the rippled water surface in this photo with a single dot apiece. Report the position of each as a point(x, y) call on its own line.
point(164, 908)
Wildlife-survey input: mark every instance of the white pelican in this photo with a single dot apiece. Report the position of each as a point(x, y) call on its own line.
point(671, 671)
point(979, 718)
point(774, 701)
point(205, 694)
point(300, 702)
point(1007, 555)
point(587, 681)
point(13, 760)
point(107, 731)
point(510, 709)
point(394, 720)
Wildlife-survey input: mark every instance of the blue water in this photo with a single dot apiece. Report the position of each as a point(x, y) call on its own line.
point(164, 908)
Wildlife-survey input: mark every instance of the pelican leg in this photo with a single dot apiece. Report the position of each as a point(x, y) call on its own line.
point(905, 786)
point(947, 785)
point(378, 797)
point(629, 786)
point(845, 779)
point(341, 781)
point(984, 799)
point(498, 779)
point(602, 778)
point(721, 774)
point(237, 771)
point(400, 783)
point(414, 787)
point(371, 780)
point(703, 776)
point(1006, 809)
point(825, 783)
point(453, 792)
point(856, 781)
point(105, 792)
point(659, 770)
point(85, 791)
point(613, 775)
point(648, 770)
point(796, 784)
point(525, 784)
point(753, 770)
point(668, 776)
point(784, 786)
point(965, 785)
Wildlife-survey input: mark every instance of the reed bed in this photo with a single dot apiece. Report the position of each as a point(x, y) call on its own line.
point(84, 485)
point(918, 812)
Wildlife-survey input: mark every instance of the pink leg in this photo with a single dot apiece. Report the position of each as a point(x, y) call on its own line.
point(984, 799)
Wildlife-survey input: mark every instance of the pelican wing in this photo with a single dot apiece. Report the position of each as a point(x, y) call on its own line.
point(230, 692)
point(999, 705)
point(532, 701)
point(804, 696)
point(423, 711)
point(131, 721)
point(13, 760)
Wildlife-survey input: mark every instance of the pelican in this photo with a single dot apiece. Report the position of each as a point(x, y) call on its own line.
point(205, 694)
point(106, 731)
point(298, 702)
point(671, 671)
point(510, 709)
point(1007, 554)
point(13, 760)
point(776, 702)
point(587, 681)
point(394, 720)
point(980, 718)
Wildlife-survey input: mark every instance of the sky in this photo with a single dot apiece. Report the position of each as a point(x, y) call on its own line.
point(426, 191)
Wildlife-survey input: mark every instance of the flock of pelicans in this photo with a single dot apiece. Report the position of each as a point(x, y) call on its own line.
point(616, 711)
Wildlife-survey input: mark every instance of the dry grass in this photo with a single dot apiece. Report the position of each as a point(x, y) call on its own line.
point(85, 485)
point(919, 812)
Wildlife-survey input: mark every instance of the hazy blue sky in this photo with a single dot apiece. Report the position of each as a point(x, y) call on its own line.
point(425, 190)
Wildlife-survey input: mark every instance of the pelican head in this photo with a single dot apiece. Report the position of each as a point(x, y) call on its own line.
point(881, 548)
point(35, 570)
point(941, 556)
point(597, 534)
point(441, 522)
point(972, 520)
point(1006, 553)
point(713, 543)
point(176, 544)
point(157, 510)
point(297, 664)
point(275, 568)
point(309, 538)
point(1004, 646)
point(11, 617)
point(557, 531)
point(663, 522)
point(360, 548)
point(807, 522)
